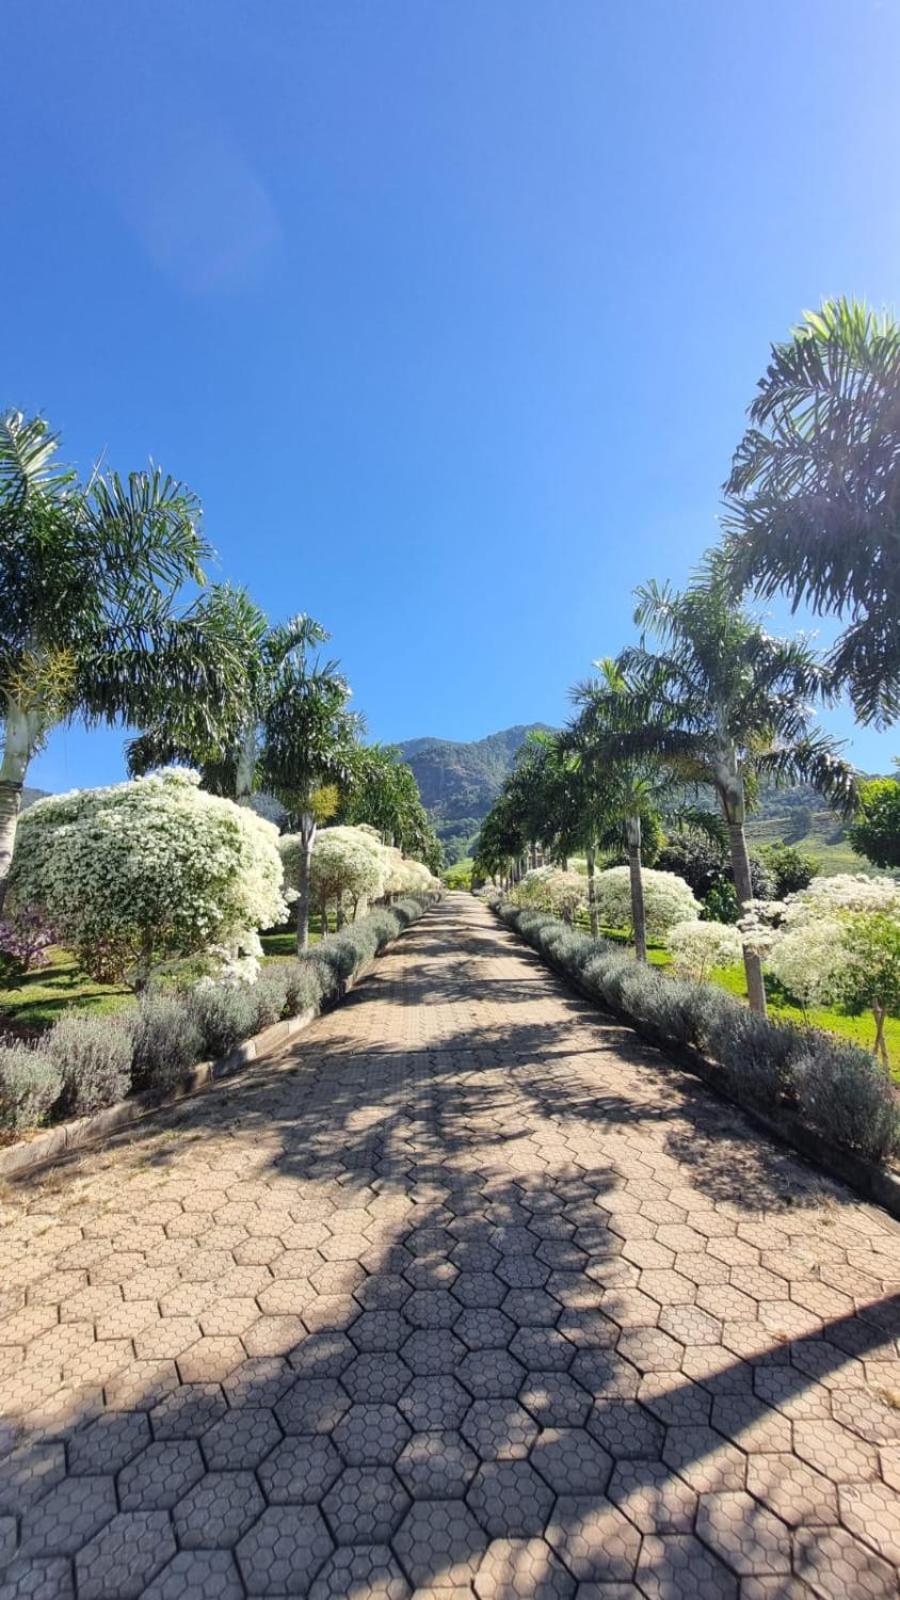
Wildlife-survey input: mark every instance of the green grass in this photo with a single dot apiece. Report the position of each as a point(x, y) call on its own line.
point(37, 999)
point(824, 841)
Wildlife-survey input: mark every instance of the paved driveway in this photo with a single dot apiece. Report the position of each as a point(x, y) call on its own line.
point(468, 1293)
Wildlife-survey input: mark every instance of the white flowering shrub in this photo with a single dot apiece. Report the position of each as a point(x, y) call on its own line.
point(148, 871)
point(697, 947)
point(668, 900)
point(348, 866)
point(550, 889)
point(406, 877)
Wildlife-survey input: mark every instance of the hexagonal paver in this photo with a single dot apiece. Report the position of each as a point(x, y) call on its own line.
point(429, 1403)
point(284, 1550)
point(490, 1374)
point(792, 1489)
point(432, 1352)
point(593, 1539)
point(522, 1569)
point(217, 1510)
point(837, 1565)
point(374, 1379)
point(499, 1430)
point(678, 1567)
point(240, 1439)
point(484, 1328)
point(871, 1511)
point(187, 1411)
point(300, 1470)
point(37, 1580)
point(749, 1539)
point(313, 1405)
point(437, 1465)
point(371, 1435)
point(554, 1399)
point(653, 1497)
point(365, 1505)
point(509, 1499)
point(198, 1575)
point(125, 1556)
point(68, 1516)
point(440, 1544)
point(369, 1572)
point(158, 1478)
point(108, 1443)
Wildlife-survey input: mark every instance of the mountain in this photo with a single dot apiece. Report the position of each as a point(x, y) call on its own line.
point(30, 795)
point(458, 781)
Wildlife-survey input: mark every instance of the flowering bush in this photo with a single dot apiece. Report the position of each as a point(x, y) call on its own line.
point(697, 947)
point(145, 871)
point(93, 1057)
point(23, 942)
point(667, 900)
point(348, 867)
point(30, 1085)
point(562, 894)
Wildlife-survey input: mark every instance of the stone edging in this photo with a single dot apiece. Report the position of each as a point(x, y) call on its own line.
point(53, 1144)
point(874, 1183)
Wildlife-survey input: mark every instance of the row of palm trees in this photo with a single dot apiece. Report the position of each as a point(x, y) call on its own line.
point(707, 702)
point(106, 615)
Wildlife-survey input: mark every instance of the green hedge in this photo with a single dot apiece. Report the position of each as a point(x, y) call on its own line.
point(837, 1088)
point(85, 1063)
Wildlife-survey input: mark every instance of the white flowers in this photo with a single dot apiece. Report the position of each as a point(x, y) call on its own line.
point(667, 900)
point(697, 947)
point(145, 871)
point(808, 941)
point(551, 889)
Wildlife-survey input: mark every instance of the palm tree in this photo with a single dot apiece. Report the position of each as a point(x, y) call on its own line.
point(230, 762)
point(813, 505)
point(724, 705)
point(628, 786)
point(384, 793)
point(90, 576)
point(309, 736)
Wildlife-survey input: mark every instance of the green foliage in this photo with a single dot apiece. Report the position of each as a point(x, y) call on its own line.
point(814, 491)
point(791, 870)
point(166, 1040)
point(93, 1058)
point(875, 833)
point(844, 1093)
point(30, 1086)
point(459, 875)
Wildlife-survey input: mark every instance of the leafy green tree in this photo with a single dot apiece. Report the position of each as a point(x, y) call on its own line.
point(813, 504)
point(875, 832)
point(724, 704)
point(91, 575)
point(384, 793)
point(791, 869)
point(309, 740)
point(501, 843)
point(229, 762)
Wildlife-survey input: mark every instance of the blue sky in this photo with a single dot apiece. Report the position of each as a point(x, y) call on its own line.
point(449, 312)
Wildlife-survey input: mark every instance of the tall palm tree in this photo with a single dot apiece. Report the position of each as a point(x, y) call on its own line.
point(629, 785)
point(230, 762)
point(309, 737)
point(90, 626)
point(724, 705)
point(813, 506)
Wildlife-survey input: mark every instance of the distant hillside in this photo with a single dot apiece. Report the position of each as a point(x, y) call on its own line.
point(458, 781)
point(30, 795)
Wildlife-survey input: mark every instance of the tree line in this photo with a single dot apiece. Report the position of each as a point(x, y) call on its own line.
point(107, 616)
point(706, 702)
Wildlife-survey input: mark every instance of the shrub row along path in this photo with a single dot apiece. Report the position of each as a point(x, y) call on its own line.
point(469, 1293)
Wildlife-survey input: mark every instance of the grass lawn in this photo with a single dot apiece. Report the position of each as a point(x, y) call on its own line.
point(860, 1029)
point(36, 1000)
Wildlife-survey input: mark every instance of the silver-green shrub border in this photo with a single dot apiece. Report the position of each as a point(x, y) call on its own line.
point(769, 1068)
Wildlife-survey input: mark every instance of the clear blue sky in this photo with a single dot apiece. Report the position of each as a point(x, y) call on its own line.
point(449, 311)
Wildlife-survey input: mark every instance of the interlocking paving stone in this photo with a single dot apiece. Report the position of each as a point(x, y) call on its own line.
point(465, 1294)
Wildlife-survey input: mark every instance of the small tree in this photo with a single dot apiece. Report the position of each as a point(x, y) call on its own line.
point(667, 900)
point(348, 866)
point(697, 947)
point(551, 889)
point(875, 833)
point(791, 869)
point(148, 871)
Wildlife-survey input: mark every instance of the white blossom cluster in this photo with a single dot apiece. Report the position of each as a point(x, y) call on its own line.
point(350, 866)
point(697, 947)
point(562, 894)
point(667, 900)
point(147, 871)
point(806, 941)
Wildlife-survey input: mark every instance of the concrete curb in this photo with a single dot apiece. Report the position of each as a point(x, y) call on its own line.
point(54, 1144)
point(874, 1183)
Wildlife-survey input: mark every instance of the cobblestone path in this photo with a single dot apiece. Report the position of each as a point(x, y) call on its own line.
point(469, 1293)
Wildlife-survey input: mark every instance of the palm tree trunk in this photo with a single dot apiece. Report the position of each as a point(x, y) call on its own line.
point(308, 839)
point(880, 1048)
point(19, 741)
point(743, 886)
point(246, 768)
point(591, 856)
point(638, 917)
